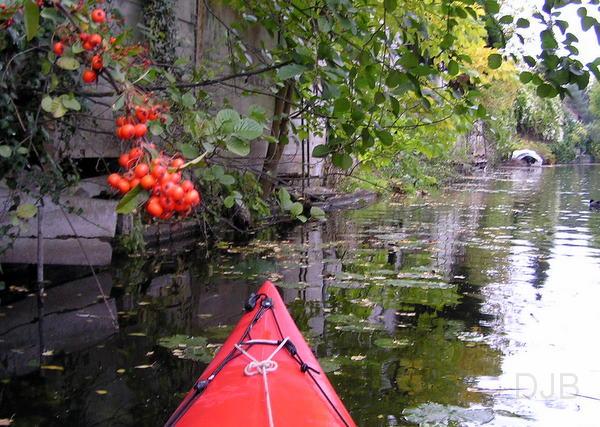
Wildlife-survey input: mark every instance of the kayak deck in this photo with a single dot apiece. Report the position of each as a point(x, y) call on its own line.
point(234, 390)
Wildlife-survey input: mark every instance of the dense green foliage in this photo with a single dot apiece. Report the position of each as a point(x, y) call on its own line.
point(390, 84)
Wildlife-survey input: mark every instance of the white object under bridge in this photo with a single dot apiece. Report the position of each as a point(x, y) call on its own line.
point(529, 156)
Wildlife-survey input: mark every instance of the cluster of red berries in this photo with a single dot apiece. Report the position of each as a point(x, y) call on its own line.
point(92, 43)
point(134, 126)
point(162, 178)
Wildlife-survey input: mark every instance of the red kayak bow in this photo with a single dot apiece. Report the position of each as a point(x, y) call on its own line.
point(264, 375)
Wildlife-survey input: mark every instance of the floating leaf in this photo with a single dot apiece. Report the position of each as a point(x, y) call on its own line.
point(390, 343)
point(329, 364)
point(120, 371)
point(52, 368)
point(101, 392)
point(142, 366)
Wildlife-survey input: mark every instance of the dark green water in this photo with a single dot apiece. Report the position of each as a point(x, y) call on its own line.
point(475, 307)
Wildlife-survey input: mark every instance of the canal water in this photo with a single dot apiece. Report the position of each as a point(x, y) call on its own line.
point(477, 306)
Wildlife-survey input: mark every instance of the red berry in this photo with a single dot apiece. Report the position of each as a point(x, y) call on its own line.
point(140, 130)
point(123, 186)
point(84, 37)
point(141, 170)
point(120, 121)
point(127, 131)
point(187, 185)
point(167, 203)
point(176, 192)
point(134, 182)
point(158, 171)
point(124, 160)
point(98, 16)
point(135, 154)
point(193, 198)
point(113, 180)
point(142, 114)
point(95, 39)
point(154, 209)
point(89, 76)
point(177, 163)
point(58, 48)
point(97, 62)
point(147, 182)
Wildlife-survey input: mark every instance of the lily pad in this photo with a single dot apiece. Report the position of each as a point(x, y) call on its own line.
point(330, 364)
point(389, 343)
point(434, 415)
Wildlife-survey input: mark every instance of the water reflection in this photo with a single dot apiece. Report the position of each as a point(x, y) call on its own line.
point(426, 312)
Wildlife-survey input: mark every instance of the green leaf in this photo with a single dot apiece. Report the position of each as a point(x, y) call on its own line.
point(529, 60)
point(341, 105)
point(51, 14)
point(523, 23)
point(238, 146)
point(188, 100)
point(226, 179)
point(156, 129)
point(546, 90)
point(506, 19)
point(31, 16)
point(47, 104)
point(289, 71)
point(321, 151)
point(525, 77)
point(70, 103)
point(188, 150)
point(390, 5)
point(492, 7)
point(58, 109)
point(494, 61)
point(548, 40)
point(227, 119)
point(453, 68)
point(316, 212)
point(229, 201)
point(342, 160)
point(385, 137)
point(119, 103)
point(67, 63)
point(5, 151)
point(131, 200)
point(296, 208)
point(26, 211)
point(247, 129)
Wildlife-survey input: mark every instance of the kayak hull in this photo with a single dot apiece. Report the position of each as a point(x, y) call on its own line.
point(299, 393)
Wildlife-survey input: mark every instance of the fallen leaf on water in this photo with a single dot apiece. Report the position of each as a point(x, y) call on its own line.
point(142, 366)
point(101, 392)
point(52, 367)
point(120, 371)
point(137, 334)
point(48, 353)
point(358, 357)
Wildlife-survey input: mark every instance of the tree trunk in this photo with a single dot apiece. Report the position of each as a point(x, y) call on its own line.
point(279, 130)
